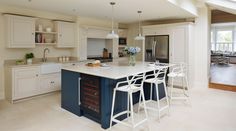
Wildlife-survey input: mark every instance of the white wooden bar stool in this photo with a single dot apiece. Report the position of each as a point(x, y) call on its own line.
point(179, 71)
point(158, 77)
point(129, 86)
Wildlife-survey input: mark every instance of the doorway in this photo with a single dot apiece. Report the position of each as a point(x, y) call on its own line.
point(223, 51)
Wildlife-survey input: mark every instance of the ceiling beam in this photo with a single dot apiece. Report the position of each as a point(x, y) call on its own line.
point(187, 5)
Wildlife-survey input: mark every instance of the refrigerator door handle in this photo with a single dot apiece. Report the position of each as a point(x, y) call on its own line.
point(154, 50)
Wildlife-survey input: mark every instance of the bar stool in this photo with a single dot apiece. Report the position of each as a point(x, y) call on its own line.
point(131, 86)
point(158, 77)
point(179, 71)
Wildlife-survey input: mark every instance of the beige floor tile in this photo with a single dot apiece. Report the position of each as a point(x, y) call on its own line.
point(210, 110)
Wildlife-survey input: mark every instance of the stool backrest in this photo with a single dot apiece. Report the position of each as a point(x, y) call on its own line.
point(180, 68)
point(160, 72)
point(136, 79)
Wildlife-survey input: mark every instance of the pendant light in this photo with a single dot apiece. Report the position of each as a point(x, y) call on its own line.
point(139, 37)
point(112, 34)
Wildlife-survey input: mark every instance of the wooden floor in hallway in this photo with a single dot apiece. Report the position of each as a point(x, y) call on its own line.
point(223, 74)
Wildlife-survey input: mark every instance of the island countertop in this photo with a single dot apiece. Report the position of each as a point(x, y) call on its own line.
point(116, 70)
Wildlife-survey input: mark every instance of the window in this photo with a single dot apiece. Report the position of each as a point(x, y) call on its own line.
point(222, 39)
point(224, 36)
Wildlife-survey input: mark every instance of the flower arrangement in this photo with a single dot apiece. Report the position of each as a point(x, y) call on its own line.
point(132, 50)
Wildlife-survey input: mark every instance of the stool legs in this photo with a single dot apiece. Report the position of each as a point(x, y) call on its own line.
point(131, 108)
point(167, 98)
point(112, 106)
point(151, 92)
point(158, 102)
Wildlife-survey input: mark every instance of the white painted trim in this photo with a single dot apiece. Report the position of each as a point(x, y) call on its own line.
point(167, 25)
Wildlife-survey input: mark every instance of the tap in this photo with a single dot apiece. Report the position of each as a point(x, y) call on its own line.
point(44, 54)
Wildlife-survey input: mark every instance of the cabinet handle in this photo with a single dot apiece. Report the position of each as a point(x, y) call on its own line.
point(79, 102)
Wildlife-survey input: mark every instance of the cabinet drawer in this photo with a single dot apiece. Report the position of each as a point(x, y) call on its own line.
point(26, 72)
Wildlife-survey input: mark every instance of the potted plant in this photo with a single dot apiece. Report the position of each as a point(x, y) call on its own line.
point(29, 57)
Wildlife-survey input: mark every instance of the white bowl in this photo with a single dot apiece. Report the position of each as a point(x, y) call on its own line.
point(48, 29)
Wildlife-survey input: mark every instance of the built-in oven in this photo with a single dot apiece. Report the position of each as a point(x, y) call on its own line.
point(122, 41)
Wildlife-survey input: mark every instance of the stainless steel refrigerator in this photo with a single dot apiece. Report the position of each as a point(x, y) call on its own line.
point(157, 48)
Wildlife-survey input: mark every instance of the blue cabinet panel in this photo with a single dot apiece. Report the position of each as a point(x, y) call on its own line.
point(69, 92)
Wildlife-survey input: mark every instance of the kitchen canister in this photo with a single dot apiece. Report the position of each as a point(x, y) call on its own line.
point(40, 28)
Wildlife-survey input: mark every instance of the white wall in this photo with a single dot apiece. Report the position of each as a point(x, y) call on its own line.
point(6, 54)
point(95, 47)
point(202, 48)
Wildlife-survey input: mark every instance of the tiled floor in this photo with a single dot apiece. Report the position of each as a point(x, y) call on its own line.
point(223, 74)
point(211, 110)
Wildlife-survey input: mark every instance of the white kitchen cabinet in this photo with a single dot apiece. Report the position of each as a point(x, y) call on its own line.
point(66, 37)
point(20, 31)
point(50, 82)
point(25, 82)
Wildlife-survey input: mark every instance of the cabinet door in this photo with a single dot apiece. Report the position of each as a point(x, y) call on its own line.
point(49, 83)
point(178, 45)
point(26, 81)
point(70, 92)
point(20, 32)
point(66, 34)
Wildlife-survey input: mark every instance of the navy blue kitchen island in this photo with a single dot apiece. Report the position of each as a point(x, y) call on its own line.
point(88, 91)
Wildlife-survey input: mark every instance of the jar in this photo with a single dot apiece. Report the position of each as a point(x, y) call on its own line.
point(60, 59)
point(67, 58)
point(40, 27)
point(63, 58)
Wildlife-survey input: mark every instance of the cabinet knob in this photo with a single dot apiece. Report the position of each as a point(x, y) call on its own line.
point(60, 35)
point(37, 75)
point(32, 33)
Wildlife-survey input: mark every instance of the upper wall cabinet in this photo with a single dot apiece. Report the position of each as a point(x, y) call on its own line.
point(20, 31)
point(66, 34)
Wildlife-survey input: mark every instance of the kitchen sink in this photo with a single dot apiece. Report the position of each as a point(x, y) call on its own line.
point(50, 67)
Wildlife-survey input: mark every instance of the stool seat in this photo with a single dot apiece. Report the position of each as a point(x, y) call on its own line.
point(129, 88)
point(154, 80)
point(173, 74)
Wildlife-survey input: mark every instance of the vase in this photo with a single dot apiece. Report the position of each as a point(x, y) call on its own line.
point(29, 61)
point(132, 60)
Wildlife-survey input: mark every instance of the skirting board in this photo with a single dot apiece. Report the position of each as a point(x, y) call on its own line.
point(222, 87)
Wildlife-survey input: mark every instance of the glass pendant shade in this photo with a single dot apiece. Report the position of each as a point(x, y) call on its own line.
point(139, 37)
point(112, 34)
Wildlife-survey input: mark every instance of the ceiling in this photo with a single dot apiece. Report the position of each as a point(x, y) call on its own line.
point(224, 5)
point(125, 10)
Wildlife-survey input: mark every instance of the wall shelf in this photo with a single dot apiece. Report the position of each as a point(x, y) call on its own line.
point(41, 44)
point(44, 32)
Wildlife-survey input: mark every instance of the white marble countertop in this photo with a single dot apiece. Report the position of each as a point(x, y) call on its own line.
point(116, 70)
